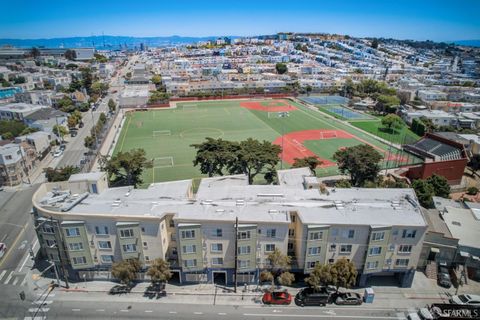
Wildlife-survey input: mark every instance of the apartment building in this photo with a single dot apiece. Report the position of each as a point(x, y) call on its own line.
point(229, 223)
point(16, 161)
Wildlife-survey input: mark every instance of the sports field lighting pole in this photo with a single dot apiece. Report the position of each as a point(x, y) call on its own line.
point(283, 114)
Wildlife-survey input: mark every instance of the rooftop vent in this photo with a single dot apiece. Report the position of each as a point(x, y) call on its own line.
point(220, 210)
point(456, 223)
point(207, 202)
point(272, 211)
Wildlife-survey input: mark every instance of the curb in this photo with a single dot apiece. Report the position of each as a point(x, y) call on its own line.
point(168, 293)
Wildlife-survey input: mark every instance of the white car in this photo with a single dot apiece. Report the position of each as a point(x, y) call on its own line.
point(57, 153)
point(3, 249)
point(470, 299)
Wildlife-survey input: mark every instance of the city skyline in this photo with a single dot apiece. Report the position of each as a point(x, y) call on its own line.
point(425, 20)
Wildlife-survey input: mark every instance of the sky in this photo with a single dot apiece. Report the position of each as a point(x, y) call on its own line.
point(438, 20)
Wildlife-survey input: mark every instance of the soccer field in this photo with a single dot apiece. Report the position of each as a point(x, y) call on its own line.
point(166, 135)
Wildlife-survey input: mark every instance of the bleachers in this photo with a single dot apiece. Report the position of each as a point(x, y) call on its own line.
point(439, 149)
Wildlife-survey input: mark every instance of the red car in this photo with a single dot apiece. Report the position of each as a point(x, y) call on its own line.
point(277, 297)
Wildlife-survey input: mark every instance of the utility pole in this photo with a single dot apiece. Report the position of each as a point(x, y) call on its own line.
point(62, 264)
point(236, 253)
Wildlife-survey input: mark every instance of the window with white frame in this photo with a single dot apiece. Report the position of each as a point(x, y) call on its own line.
point(189, 248)
point(190, 263)
point(333, 247)
point(78, 246)
point(313, 251)
point(51, 243)
point(101, 231)
point(188, 234)
point(106, 258)
point(311, 264)
point(217, 233)
point(372, 265)
point(217, 261)
point(378, 236)
point(72, 232)
point(391, 247)
point(388, 262)
point(375, 251)
point(346, 248)
point(242, 264)
point(126, 233)
point(405, 248)
point(145, 244)
point(271, 233)
point(351, 234)
point(244, 250)
point(79, 260)
point(402, 262)
point(409, 233)
point(48, 229)
point(130, 247)
point(243, 235)
point(317, 235)
point(216, 247)
point(104, 245)
point(269, 247)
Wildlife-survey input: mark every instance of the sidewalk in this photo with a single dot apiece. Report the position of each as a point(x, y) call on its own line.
point(108, 143)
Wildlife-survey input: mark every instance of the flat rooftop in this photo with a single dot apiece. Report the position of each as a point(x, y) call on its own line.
point(463, 225)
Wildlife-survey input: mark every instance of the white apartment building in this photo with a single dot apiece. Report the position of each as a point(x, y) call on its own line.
point(429, 95)
point(380, 232)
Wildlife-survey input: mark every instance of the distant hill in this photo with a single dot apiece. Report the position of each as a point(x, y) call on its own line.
point(111, 42)
point(471, 43)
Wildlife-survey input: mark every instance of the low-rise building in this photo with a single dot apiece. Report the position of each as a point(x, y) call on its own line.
point(134, 96)
point(16, 161)
point(18, 111)
point(45, 119)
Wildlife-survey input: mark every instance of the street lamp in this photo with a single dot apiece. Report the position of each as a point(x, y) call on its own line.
point(283, 114)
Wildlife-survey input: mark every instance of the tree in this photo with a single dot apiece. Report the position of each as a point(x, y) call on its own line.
point(72, 122)
point(159, 271)
point(102, 118)
point(440, 185)
point(213, 155)
point(386, 103)
point(126, 271)
point(374, 43)
point(111, 105)
point(87, 79)
point(320, 276)
point(89, 142)
point(349, 88)
point(360, 162)
point(34, 52)
point(60, 174)
point(308, 89)
point(424, 192)
point(11, 128)
point(392, 122)
point(70, 54)
point(278, 268)
point(311, 162)
point(281, 68)
point(100, 58)
point(99, 88)
point(60, 130)
point(343, 183)
point(344, 273)
point(157, 79)
point(126, 168)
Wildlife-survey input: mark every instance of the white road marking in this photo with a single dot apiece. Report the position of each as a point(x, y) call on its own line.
point(124, 310)
point(198, 312)
point(36, 318)
point(9, 277)
point(172, 312)
point(39, 310)
point(75, 310)
point(2, 274)
point(24, 283)
point(100, 310)
point(222, 314)
point(265, 315)
point(40, 294)
point(24, 262)
point(42, 302)
point(148, 311)
point(15, 281)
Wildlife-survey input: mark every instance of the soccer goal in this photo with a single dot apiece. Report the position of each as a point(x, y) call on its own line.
point(189, 107)
point(163, 162)
point(157, 133)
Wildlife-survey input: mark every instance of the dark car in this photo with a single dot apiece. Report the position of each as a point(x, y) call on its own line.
point(277, 297)
point(62, 147)
point(119, 289)
point(80, 125)
point(443, 278)
point(348, 298)
point(312, 297)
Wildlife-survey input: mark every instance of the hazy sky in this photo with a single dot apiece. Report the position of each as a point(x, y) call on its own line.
point(435, 20)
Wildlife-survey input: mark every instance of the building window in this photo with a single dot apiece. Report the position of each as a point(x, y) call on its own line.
point(127, 233)
point(244, 250)
point(351, 234)
point(291, 232)
point(51, 243)
point(79, 260)
point(311, 264)
point(333, 247)
point(269, 247)
point(271, 233)
point(290, 246)
point(391, 247)
point(131, 247)
point(402, 262)
point(72, 232)
point(171, 223)
point(218, 233)
point(378, 236)
point(104, 245)
point(316, 235)
point(314, 251)
point(244, 235)
point(292, 218)
point(190, 263)
point(145, 244)
point(216, 247)
point(190, 248)
point(106, 258)
point(48, 229)
point(372, 265)
point(143, 229)
point(409, 233)
point(388, 262)
point(374, 251)
point(188, 234)
point(242, 264)
point(147, 258)
point(395, 232)
point(346, 248)
point(405, 248)
point(217, 261)
point(101, 231)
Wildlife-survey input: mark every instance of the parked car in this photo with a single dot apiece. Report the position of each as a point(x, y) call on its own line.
point(119, 289)
point(80, 125)
point(62, 147)
point(312, 297)
point(413, 316)
point(470, 299)
point(57, 153)
point(443, 278)
point(425, 314)
point(277, 297)
point(348, 298)
point(3, 249)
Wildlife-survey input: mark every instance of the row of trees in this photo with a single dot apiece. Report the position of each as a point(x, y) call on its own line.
point(126, 271)
point(90, 141)
point(432, 186)
point(385, 96)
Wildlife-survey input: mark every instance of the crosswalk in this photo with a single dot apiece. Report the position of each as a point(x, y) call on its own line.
point(10, 277)
point(40, 307)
